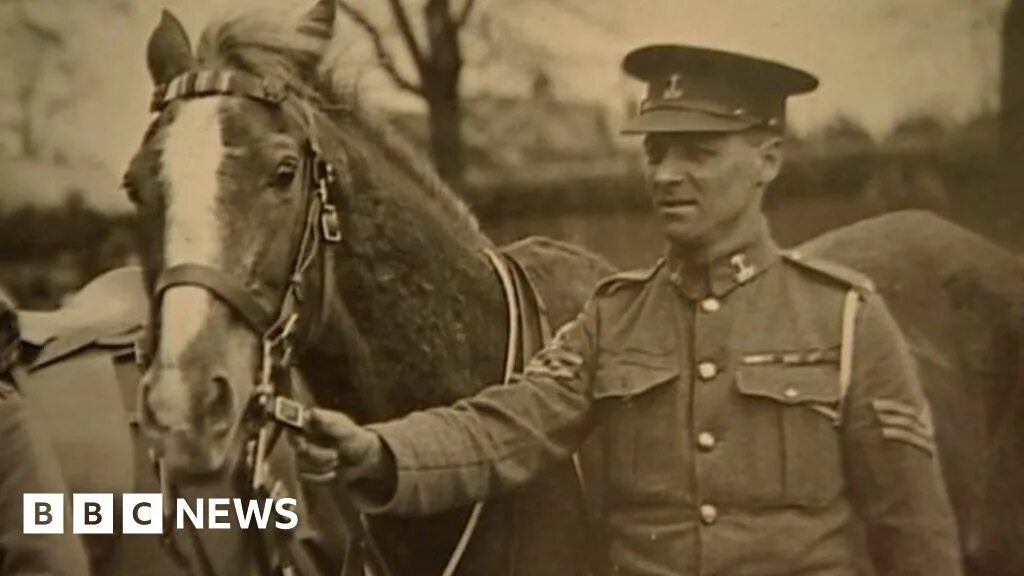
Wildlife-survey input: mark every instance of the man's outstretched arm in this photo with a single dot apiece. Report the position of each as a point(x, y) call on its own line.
point(446, 457)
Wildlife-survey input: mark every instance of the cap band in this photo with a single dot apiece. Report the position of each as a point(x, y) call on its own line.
point(708, 107)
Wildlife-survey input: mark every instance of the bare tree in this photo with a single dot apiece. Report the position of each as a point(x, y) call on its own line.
point(35, 51)
point(41, 74)
point(438, 62)
point(431, 35)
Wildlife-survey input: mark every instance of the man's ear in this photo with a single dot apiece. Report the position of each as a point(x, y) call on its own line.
point(169, 52)
point(771, 159)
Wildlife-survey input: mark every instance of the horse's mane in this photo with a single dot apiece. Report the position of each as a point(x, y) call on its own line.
point(271, 46)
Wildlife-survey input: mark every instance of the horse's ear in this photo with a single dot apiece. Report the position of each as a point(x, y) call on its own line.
point(169, 52)
point(319, 21)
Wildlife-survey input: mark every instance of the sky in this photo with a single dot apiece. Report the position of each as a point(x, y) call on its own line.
point(878, 60)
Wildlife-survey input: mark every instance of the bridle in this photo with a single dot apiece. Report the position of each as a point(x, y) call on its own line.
point(271, 406)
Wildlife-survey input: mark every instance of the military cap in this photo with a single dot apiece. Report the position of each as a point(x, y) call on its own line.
point(692, 89)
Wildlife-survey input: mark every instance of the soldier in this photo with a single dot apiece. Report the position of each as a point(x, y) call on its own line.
point(748, 404)
point(27, 465)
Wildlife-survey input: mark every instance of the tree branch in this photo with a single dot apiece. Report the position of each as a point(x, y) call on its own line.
point(405, 27)
point(384, 56)
point(464, 14)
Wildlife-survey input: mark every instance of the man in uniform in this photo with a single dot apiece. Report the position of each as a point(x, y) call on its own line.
point(749, 404)
point(27, 465)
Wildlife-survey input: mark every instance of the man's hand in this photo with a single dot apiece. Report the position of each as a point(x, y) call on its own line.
point(335, 444)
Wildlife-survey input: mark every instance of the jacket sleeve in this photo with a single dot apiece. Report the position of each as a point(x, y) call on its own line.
point(890, 457)
point(27, 465)
point(498, 439)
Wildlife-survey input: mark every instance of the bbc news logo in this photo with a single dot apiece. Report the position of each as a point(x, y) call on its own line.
point(43, 513)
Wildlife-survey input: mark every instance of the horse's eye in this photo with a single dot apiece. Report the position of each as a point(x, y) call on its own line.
point(284, 175)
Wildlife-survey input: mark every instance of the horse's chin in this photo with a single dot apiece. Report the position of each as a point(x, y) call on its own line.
point(192, 458)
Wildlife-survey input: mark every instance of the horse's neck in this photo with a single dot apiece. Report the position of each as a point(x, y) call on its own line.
point(419, 319)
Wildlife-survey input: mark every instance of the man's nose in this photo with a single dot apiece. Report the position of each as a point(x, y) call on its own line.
point(668, 175)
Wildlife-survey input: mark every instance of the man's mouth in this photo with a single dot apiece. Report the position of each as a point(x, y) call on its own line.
point(677, 203)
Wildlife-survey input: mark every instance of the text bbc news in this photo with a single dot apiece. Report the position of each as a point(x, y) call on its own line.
point(43, 513)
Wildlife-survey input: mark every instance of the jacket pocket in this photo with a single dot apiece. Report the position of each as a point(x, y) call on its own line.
point(636, 396)
point(805, 400)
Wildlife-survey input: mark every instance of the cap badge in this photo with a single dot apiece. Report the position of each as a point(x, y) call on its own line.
point(674, 91)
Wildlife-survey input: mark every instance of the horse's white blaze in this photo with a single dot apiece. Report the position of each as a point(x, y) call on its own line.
point(192, 154)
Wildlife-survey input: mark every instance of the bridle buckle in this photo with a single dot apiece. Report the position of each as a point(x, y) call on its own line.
point(289, 413)
point(330, 224)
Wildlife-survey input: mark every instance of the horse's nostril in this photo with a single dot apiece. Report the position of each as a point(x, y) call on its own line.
point(218, 402)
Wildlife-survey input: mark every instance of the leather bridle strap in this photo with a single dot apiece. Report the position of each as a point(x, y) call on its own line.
point(239, 298)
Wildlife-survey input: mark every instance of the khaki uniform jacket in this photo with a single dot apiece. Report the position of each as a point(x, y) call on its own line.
point(733, 443)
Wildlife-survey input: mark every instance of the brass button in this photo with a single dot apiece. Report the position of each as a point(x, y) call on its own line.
point(706, 440)
point(790, 393)
point(707, 370)
point(710, 305)
point(708, 514)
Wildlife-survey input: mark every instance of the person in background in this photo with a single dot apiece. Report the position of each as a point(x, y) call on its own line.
point(749, 404)
point(27, 465)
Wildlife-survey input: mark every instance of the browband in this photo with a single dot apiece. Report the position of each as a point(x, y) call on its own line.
point(200, 83)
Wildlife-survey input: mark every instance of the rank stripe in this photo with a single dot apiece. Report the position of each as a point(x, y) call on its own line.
point(905, 422)
point(895, 413)
point(897, 407)
point(911, 438)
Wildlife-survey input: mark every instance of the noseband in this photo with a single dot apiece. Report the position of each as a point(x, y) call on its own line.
point(270, 407)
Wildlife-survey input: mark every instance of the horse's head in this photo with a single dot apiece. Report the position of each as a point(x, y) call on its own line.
point(226, 186)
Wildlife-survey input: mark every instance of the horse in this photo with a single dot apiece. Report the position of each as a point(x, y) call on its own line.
point(289, 242)
point(957, 298)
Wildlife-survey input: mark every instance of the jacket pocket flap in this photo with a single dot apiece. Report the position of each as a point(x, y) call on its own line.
point(628, 375)
point(790, 384)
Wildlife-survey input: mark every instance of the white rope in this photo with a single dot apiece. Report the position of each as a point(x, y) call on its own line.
point(850, 305)
point(511, 355)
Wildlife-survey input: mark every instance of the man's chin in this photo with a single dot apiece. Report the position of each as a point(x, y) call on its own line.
point(685, 239)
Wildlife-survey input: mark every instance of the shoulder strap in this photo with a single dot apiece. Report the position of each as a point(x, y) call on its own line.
point(614, 282)
point(838, 273)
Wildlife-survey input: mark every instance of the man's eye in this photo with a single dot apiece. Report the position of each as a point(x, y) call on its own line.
point(704, 153)
point(655, 151)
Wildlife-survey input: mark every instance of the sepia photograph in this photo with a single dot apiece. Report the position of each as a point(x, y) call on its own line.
point(511, 288)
